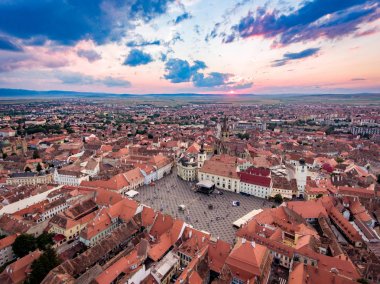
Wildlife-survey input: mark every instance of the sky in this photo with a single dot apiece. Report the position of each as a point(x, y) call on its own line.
point(191, 46)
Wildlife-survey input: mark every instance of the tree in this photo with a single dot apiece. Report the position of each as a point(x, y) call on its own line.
point(339, 160)
point(330, 130)
point(41, 267)
point(278, 198)
point(150, 136)
point(44, 240)
point(243, 136)
point(39, 167)
point(36, 155)
point(27, 169)
point(24, 244)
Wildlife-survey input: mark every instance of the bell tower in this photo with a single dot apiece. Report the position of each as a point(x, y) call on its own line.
point(225, 129)
point(201, 157)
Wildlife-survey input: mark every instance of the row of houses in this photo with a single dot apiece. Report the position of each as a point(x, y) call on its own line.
point(225, 172)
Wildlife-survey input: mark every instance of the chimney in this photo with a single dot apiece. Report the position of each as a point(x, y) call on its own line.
point(243, 240)
point(253, 244)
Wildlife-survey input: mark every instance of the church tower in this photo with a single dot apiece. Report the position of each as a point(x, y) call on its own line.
point(301, 177)
point(225, 129)
point(201, 157)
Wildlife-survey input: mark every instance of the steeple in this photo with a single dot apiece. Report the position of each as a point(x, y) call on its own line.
point(202, 148)
point(201, 156)
point(225, 129)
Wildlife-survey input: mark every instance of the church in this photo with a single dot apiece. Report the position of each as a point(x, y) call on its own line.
point(230, 145)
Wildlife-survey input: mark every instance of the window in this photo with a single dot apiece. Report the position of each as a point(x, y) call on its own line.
point(237, 281)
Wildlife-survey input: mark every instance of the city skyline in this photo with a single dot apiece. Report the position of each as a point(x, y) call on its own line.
point(190, 46)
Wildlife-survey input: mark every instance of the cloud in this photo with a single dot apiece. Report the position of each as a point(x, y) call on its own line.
point(314, 19)
point(68, 21)
point(226, 18)
point(295, 56)
point(176, 37)
point(89, 54)
point(74, 78)
point(179, 71)
point(8, 45)
point(115, 82)
point(137, 57)
point(182, 17)
point(163, 57)
point(241, 86)
point(35, 41)
point(134, 43)
point(197, 29)
point(213, 79)
point(366, 32)
point(214, 32)
point(229, 38)
point(198, 65)
point(358, 79)
point(10, 61)
point(148, 10)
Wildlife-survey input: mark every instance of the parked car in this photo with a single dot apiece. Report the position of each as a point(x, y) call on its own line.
point(235, 203)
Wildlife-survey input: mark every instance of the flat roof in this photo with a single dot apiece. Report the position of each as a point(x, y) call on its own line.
point(132, 193)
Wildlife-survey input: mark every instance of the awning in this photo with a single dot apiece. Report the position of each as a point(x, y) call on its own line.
point(241, 221)
point(205, 183)
point(132, 193)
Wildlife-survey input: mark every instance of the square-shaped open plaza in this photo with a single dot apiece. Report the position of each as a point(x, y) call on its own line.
point(170, 192)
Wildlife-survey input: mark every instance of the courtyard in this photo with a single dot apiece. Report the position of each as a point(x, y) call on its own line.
point(170, 192)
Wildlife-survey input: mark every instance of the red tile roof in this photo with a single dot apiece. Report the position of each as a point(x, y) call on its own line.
point(16, 272)
point(254, 179)
point(246, 259)
point(344, 225)
point(217, 254)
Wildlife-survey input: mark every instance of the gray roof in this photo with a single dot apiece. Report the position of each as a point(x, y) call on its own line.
point(21, 175)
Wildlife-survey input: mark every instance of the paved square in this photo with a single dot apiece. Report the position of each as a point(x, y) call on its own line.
point(171, 191)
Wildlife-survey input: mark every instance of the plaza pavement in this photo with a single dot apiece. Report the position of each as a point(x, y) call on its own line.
point(171, 191)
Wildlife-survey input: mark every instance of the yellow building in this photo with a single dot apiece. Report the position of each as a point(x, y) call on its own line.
point(63, 225)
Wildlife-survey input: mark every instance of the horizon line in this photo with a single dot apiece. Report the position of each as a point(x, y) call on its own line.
point(185, 93)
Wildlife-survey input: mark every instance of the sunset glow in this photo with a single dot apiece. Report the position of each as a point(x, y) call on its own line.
point(191, 46)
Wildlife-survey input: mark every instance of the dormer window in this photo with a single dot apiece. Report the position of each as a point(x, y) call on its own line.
point(132, 267)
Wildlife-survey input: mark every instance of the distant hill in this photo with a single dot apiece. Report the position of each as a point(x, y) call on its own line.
point(17, 94)
point(29, 94)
